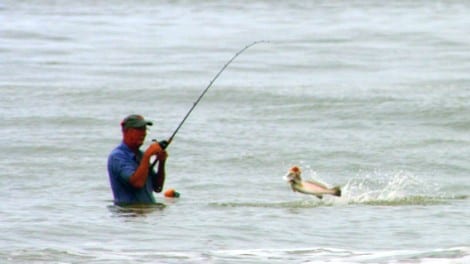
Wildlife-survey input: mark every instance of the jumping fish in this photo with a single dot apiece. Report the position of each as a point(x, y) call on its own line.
point(308, 187)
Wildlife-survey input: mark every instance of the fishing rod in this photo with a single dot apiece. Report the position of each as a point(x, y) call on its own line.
point(164, 143)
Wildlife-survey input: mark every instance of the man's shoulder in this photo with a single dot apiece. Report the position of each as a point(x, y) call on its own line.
point(120, 150)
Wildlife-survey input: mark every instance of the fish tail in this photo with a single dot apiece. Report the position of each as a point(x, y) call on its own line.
point(336, 191)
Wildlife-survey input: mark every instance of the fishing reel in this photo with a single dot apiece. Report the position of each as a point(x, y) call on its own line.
point(163, 143)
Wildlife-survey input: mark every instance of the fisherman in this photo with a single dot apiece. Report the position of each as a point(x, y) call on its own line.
point(130, 174)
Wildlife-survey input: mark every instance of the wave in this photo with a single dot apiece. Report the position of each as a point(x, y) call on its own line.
point(313, 202)
point(135, 210)
point(336, 255)
point(459, 254)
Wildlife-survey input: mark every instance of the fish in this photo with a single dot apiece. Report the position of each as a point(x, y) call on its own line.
point(308, 187)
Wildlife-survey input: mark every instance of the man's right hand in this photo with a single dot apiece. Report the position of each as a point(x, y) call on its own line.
point(153, 149)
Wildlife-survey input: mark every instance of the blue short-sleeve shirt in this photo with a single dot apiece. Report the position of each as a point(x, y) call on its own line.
point(122, 163)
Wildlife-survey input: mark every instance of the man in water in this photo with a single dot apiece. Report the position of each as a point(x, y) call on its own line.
point(130, 174)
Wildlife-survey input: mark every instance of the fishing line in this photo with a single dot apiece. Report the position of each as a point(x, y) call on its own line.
point(167, 142)
point(164, 143)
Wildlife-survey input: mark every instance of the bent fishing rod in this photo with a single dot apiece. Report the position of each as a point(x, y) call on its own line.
point(164, 143)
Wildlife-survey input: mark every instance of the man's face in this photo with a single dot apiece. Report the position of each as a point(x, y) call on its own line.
point(136, 136)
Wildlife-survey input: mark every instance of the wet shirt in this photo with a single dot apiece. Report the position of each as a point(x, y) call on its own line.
point(122, 163)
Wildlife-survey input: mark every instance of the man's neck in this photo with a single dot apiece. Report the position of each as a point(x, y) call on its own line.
point(132, 147)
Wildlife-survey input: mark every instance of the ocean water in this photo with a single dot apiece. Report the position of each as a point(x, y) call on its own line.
point(372, 96)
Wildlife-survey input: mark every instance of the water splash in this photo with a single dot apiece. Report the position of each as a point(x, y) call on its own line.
point(396, 188)
point(399, 188)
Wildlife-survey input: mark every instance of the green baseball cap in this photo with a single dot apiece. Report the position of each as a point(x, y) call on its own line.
point(135, 121)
